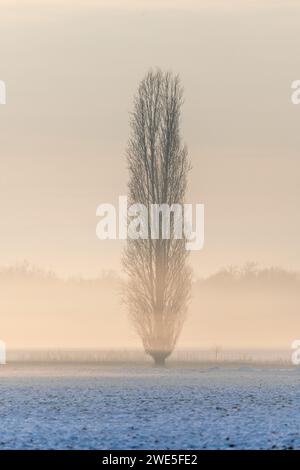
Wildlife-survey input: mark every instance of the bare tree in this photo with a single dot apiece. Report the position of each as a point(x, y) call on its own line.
point(159, 279)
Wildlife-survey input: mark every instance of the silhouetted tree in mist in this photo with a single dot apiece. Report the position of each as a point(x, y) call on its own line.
point(158, 277)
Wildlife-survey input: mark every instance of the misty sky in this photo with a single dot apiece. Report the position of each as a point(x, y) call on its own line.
point(71, 70)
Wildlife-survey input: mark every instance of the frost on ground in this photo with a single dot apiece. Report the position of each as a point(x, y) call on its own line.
point(111, 407)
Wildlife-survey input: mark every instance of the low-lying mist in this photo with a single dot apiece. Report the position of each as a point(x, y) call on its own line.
point(235, 308)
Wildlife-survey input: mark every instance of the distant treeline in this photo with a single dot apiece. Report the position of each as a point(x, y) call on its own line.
point(26, 271)
point(249, 275)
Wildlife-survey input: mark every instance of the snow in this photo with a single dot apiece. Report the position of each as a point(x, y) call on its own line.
point(141, 407)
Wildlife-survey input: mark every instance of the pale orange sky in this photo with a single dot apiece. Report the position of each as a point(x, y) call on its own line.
point(71, 69)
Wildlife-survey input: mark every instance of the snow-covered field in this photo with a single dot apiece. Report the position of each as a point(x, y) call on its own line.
point(114, 407)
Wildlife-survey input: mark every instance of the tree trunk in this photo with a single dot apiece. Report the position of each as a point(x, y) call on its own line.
point(159, 358)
